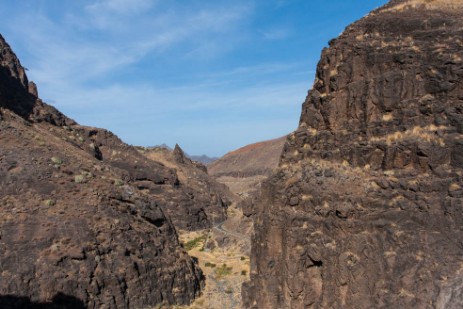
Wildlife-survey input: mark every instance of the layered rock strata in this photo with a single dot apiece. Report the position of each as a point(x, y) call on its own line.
point(365, 210)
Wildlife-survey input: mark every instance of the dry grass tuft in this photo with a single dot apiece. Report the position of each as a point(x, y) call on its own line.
point(388, 117)
point(428, 4)
point(427, 134)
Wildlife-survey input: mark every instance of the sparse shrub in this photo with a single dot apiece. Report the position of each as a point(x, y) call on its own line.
point(229, 290)
point(223, 271)
point(118, 182)
point(79, 179)
point(56, 160)
point(243, 258)
point(244, 273)
point(195, 243)
point(209, 264)
point(50, 202)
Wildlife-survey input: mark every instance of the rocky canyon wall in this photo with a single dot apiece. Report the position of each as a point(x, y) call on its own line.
point(365, 210)
point(84, 217)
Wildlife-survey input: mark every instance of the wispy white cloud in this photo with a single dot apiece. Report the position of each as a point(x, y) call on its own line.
point(125, 7)
point(73, 60)
point(115, 16)
point(63, 54)
point(62, 51)
point(170, 114)
point(276, 34)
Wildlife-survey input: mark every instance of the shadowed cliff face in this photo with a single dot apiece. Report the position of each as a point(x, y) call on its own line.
point(84, 215)
point(19, 95)
point(59, 301)
point(13, 89)
point(365, 209)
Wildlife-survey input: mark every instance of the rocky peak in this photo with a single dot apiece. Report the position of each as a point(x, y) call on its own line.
point(32, 88)
point(179, 155)
point(9, 61)
point(19, 95)
point(385, 74)
point(14, 93)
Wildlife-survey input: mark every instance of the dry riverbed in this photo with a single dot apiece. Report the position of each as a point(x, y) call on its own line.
point(223, 255)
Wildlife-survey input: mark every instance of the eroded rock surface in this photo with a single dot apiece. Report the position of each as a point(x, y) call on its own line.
point(365, 209)
point(204, 201)
point(81, 213)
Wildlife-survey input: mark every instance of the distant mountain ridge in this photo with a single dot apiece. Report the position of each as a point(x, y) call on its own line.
point(202, 158)
point(254, 159)
point(199, 158)
point(244, 169)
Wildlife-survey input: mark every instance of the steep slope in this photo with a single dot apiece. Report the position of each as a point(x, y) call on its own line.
point(207, 199)
point(244, 169)
point(82, 220)
point(365, 209)
point(254, 159)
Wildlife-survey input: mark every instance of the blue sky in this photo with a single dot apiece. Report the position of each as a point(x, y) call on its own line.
point(211, 75)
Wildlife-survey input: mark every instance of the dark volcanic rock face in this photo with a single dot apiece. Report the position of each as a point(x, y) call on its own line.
point(67, 226)
point(366, 208)
point(203, 202)
point(14, 83)
point(81, 212)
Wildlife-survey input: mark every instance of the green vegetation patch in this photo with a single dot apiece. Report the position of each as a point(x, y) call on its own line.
point(198, 241)
point(50, 202)
point(209, 264)
point(223, 271)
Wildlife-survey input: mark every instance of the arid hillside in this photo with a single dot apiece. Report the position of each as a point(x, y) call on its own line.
point(244, 169)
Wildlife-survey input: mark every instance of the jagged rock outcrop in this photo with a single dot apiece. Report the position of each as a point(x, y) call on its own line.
point(81, 213)
point(205, 201)
point(19, 96)
point(365, 209)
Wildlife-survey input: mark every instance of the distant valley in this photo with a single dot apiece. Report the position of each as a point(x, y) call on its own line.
point(359, 207)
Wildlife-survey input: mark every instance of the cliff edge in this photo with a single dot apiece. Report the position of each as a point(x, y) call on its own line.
point(365, 208)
